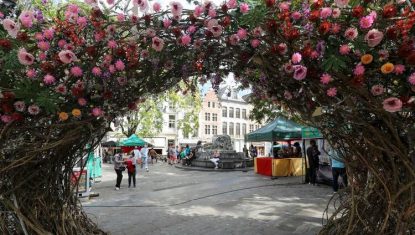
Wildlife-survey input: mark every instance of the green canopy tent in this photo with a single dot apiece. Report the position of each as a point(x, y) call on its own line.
point(280, 129)
point(133, 141)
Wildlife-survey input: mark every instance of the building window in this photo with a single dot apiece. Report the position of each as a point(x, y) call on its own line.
point(207, 129)
point(213, 104)
point(172, 121)
point(207, 116)
point(224, 112)
point(231, 112)
point(208, 104)
point(224, 128)
point(244, 114)
point(251, 128)
point(238, 113)
point(238, 129)
point(256, 127)
point(244, 129)
point(231, 128)
point(214, 117)
point(171, 106)
point(214, 130)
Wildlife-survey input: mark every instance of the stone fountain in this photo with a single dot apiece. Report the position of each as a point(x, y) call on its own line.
point(229, 158)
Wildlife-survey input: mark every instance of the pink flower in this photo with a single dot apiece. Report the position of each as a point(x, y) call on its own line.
point(96, 71)
point(61, 89)
point(255, 43)
point(11, 27)
point(383, 55)
point(212, 13)
point(377, 90)
point(120, 17)
point(351, 33)
point(96, 112)
point(288, 68)
point(257, 32)
point(314, 54)
point(296, 58)
point(1, 15)
point(242, 33)
point(366, 22)
point(122, 81)
point(234, 39)
point(112, 69)
point(67, 56)
point(335, 28)
point(198, 11)
point(110, 2)
point(231, 4)
point(392, 104)
point(33, 109)
point(341, 3)
point(112, 44)
point(31, 73)
point(166, 23)
point(282, 48)
point(43, 45)
point(359, 70)
point(119, 65)
point(20, 106)
point(150, 32)
point(411, 79)
point(185, 40)
point(144, 54)
point(216, 30)
point(332, 92)
point(98, 37)
point(156, 7)
point(176, 9)
point(296, 15)
point(300, 72)
point(325, 12)
point(336, 13)
point(42, 56)
point(373, 37)
point(158, 44)
point(25, 58)
point(325, 78)
point(244, 7)
point(39, 36)
point(288, 95)
point(284, 6)
point(26, 18)
point(344, 49)
point(82, 22)
point(82, 101)
point(6, 118)
point(76, 71)
point(143, 4)
point(399, 69)
point(191, 29)
point(48, 79)
point(48, 33)
point(61, 43)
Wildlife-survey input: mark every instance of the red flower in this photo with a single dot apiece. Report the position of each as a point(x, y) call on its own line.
point(389, 11)
point(22, 36)
point(120, 52)
point(272, 25)
point(8, 95)
point(405, 49)
point(314, 15)
point(91, 51)
point(224, 8)
point(48, 67)
point(107, 95)
point(177, 32)
point(358, 11)
point(7, 108)
point(317, 4)
point(226, 21)
point(77, 92)
point(411, 58)
point(5, 44)
point(147, 19)
point(270, 3)
point(18, 117)
point(324, 27)
point(392, 33)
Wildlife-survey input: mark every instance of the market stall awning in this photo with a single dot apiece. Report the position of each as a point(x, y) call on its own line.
point(311, 133)
point(280, 129)
point(134, 140)
point(109, 144)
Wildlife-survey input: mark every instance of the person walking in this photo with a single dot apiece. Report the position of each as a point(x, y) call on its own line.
point(313, 161)
point(337, 167)
point(132, 169)
point(153, 155)
point(119, 168)
point(144, 157)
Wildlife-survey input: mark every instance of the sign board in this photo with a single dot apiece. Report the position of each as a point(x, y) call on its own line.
point(83, 182)
point(310, 133)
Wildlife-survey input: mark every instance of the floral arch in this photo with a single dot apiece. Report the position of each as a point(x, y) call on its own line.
point(345, 66)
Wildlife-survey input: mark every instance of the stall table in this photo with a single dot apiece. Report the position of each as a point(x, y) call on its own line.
point(279, 167)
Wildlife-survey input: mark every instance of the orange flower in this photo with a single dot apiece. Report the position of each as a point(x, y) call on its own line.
point(387, 68)
point(366, 59)
point(76, 112)
point(63, 116)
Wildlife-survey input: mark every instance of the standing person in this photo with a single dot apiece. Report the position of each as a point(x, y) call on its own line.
point(137, 154)
point(275, 150)
point(297, 150)
point(119, 168)
point(337, 168)
point(153, 155)
point(255, 152)
point(172, 155)
point(187, 150)
point(132, 168)
point(313, 160)
point(246, 152)
point(144, 157)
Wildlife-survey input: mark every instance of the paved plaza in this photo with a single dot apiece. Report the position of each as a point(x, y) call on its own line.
point(169, 200)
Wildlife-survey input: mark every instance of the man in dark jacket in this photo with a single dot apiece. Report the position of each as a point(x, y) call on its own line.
point(313, 161)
